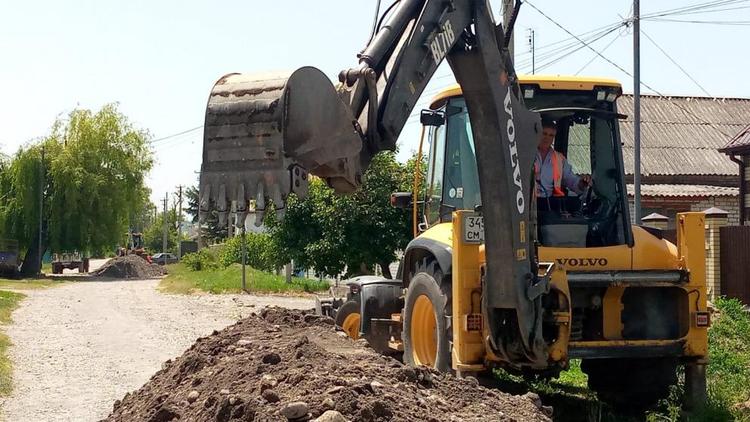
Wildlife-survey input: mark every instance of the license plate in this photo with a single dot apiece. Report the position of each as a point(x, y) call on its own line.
point(473, 229)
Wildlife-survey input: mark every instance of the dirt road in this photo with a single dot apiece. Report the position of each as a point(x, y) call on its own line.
point(79, 347)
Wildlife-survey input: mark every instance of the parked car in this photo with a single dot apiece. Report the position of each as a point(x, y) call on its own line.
point(164, 258)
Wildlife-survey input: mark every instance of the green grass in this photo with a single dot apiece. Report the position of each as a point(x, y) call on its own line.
point(728, 379)
point(229, 280)
point(8, 303)
point(28, 284)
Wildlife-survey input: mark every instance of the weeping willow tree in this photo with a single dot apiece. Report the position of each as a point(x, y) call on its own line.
point(92, 176)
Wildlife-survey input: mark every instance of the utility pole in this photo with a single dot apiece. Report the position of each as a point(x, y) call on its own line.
point(533, 51)
point(507, 13)
point(41, 208)
point(166, 228)
point(231, 220)
point(637, 111)
point(179, 212)
point(244, 259)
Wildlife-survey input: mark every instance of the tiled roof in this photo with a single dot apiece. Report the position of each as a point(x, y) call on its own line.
point(741, 141)
point(682, 135)
point(702, 191)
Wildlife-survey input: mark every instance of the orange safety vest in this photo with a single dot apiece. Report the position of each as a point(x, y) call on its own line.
point(557, 163)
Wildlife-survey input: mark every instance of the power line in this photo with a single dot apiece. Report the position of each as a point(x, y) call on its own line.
point(589, 47)
point(176, 134)
point(675, 63)
point(595, 56)
point(727, 23)
point(694, 8)
point(684, 110)
point(568, 54)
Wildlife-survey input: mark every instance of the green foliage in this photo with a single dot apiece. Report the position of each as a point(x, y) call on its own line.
point(201, 260)
point(95, 165)
point(729, 356)
point(329, 232)
point(153, 236)
point(259, 247)
point(229, 280)
point(8, 303)
point(210, 229)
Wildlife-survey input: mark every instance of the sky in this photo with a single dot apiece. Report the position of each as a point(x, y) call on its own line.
point(159, 59)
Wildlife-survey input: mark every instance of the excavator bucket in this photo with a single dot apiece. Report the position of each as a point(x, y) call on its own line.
point(263, 135)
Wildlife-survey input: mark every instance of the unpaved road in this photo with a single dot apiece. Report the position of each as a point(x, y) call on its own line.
point(79, 347)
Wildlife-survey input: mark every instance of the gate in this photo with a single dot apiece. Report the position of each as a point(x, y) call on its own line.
point(735, 262)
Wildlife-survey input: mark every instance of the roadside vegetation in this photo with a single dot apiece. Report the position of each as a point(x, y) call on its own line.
point(182, 279)
point(28, 283)
point(728, 379)
point(90, 171)
point(8, 302)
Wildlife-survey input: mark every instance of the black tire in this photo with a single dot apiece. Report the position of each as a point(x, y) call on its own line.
point(424, 283)
point(631, 385)
point(347, 310)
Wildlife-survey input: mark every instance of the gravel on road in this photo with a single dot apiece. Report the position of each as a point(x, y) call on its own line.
point(79, 347)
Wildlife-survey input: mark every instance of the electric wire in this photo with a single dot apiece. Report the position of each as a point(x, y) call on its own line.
point(594, 57)
point(705, 7)
point(175, 135)
point(682, 69)
point(726, 23)
point(623, 70)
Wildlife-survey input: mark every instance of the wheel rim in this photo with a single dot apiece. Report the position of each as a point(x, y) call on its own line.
point(423, 328)
point(351, 325)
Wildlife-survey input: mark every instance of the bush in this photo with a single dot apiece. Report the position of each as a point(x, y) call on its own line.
point(201, 260)
point(260, 251)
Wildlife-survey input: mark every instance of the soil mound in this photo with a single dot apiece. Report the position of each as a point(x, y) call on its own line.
point(129, 266)
point(292, 365)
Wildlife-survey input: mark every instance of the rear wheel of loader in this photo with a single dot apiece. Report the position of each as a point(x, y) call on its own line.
point(348, 318)
point(631, 384)
point(425, 330)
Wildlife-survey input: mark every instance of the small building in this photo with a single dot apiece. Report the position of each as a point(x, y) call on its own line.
point(738, 151)
point(682, 168)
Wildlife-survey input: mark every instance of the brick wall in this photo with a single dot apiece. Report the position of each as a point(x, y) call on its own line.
point(671, 206)
point(726, 203)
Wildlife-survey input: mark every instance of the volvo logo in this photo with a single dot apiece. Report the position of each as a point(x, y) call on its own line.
point(512, 146)
point(583, 262)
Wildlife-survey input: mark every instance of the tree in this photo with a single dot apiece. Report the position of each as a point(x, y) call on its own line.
point(329, 232)
point(94, 168)
point(153, 236)
point(210, 229)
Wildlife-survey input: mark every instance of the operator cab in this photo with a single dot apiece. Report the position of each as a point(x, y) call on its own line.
point(584, 113)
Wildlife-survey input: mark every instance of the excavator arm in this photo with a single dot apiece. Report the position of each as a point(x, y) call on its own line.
point(264, 134)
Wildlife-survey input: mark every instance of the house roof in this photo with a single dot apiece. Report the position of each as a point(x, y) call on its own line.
point(684, 191)
point(683, 135)
point(739, 143)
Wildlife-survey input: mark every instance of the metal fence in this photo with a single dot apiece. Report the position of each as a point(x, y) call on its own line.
point(735, 262)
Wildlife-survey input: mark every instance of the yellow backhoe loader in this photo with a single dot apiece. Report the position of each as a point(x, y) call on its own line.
point(495, 276)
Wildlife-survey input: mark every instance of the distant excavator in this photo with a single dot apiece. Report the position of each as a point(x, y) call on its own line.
point(134, 246)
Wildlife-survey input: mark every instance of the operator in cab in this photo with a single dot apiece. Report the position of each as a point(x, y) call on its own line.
point(554, 175)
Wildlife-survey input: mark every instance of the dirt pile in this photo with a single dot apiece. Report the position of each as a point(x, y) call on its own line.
point(292, 365)
point(129, 266)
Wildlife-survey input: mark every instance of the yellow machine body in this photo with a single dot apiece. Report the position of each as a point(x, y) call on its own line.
point(647, 254)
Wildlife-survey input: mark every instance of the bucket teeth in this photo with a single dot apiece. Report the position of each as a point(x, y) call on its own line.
point(264, 134)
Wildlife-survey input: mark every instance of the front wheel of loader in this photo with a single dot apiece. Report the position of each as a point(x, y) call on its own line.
point(425, 326)
point(348, 318)
point(631, 384)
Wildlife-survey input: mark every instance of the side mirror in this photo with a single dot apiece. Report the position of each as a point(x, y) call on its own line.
point(432, 118)
point(402, 200)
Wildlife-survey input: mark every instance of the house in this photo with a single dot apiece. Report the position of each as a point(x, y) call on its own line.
point(738, 150)
point(682, 168)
